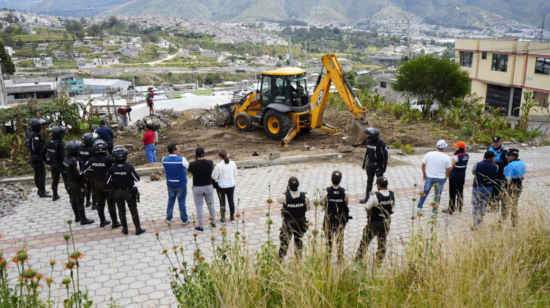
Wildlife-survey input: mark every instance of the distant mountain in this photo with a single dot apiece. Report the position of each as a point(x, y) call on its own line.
point(462, 13)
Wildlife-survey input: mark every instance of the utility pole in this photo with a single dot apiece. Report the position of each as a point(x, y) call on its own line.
point(290, 51)
point(306, 56)
point(409, 39)
point(3, 98)
point(542, 28)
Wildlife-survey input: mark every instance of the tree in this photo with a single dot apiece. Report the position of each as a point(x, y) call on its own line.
point(8, 67)
point(19, 44)
point(95, 30)
point(432, 80)
point(365, 82)
point(350, 76)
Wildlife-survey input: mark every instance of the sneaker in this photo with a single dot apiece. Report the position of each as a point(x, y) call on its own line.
point(232, 220)
point(200, 229)
point(434, 214)
point(185, 223)
point(168, 221)
point(213, 225)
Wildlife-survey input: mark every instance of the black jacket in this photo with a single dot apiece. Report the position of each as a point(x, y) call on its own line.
point(377, 153)
point(53, 151)
point(122, 176)
point(73, 169)
point(99, 165)
point(85, 152)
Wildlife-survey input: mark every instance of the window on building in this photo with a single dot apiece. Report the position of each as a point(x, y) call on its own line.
point(484, 56)
point(466, 58)
point(383, 84)
point(500, 63)
point(542, 98)
point(543, 66)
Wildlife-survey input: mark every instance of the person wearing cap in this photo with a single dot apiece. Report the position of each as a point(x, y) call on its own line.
point(379, 210)
point(124, 115)
point(106, 134)
point(335, 202)
point(501, 159)
point(203, 190)
point(514, 174)
point(457, 177)
point(149, 99)
point(485, 176)
point(149, 144)
point(295, 205)
point(436, 167)
point(376, 159)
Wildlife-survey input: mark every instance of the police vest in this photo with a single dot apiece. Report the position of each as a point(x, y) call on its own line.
point(459, 171)
point(85, 152)
point(51, 148)
point(30, 138)
point(336, 205)
point(498, 153)
point(176, 175)
point(100, 164)
point(295, 208)
point(122, 177)
point(384, 209)
point(71, 163)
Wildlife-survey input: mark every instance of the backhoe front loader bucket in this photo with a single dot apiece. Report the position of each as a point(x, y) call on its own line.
point(357, 129)
point(224, 114)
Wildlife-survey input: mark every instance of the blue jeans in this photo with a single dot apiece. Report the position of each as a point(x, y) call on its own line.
point(438, 191)
point(181, 194)
point(480, 199)
point(151, 153)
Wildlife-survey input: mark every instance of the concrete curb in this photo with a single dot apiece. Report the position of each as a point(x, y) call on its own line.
point(241, 164)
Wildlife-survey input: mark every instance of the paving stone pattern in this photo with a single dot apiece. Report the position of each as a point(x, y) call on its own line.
point(131, 270)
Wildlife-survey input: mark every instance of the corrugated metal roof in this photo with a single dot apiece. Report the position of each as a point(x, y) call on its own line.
point(285, 71)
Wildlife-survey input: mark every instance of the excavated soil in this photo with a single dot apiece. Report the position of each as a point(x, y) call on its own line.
point(190, 132)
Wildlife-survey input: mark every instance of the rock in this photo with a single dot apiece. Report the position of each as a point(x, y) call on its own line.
point(345, 149)
point(402, 153)
point(227, 136)
point(173, 123)
point(306, 147)
point(155, 177)
point(274, 155)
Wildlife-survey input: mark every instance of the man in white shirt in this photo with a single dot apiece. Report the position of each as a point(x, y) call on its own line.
point(436, 167)
point(175, 167)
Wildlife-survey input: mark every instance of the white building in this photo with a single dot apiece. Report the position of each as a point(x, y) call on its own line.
point(9, 50)
point(99, 85)
point(43, 62)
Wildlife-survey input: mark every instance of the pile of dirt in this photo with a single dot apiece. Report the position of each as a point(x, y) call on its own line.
point(190, 131)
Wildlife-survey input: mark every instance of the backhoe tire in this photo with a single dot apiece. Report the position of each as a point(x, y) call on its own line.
point(243, 122)
point(276, 125)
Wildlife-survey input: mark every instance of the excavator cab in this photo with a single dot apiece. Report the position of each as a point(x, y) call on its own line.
point(285, 87)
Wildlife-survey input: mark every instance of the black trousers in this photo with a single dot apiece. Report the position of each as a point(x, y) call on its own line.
point(292, 227)
point(123, 197)
point(39, 174)
point(495, 201)
point(510, 203)
point(90, 187)
point(230, 194)
point(371, 176)
point(57, 171)
point(334, 232)
point(76, 196)
point(456, 194)
point(378, 229)
point(102, 196)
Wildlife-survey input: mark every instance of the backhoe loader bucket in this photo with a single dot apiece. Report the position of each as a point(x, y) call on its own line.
point(224, 114)
point(357, 129)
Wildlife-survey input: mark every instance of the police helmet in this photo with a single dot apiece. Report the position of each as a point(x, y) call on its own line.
point(120, 153)
point(58, 131)
point(100, 147)
point(372, 133)
point(36, 124)
point(89, 138)
point(72, 147)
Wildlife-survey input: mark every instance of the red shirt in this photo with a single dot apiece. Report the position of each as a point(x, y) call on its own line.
point(148, 137)
point(122, 111)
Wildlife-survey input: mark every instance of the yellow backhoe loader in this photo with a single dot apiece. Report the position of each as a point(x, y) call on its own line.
point(283, 107)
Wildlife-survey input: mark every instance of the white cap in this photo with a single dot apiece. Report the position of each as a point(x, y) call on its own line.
point(441, 144)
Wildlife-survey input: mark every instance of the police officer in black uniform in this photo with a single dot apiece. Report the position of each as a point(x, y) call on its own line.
point(98, 166)
point(122, 176)
point(379, 208)
point(35, 144)
point(77, 182)
point(295, 206)
point(335, 203)
point(53, 154)
point(86, 152)
point(376, 159)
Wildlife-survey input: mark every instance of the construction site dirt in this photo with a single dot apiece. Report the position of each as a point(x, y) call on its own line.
point(195, 128)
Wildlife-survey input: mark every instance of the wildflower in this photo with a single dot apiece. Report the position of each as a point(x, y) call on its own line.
point(316, 203)
point(315, 232)
point(237, 215)
point(2, 235)
point(35, 285)
point(77, 255)
point(70, 221)
point(173, 284)
point(20, 257)
point(194, 269)
point(3, 263)
point(175, 247)
point(38, 276)
point(434, 204)
point(164, 251)
point(421, 194)
point(223, 230)
point(213, 238)
point(49, 281)
point(195, 234)
point(66, 281)
point(269, 201)
point(66, 237)
point(269, 222)
point(70, 265)
point(237, 233)
point(412, 217)
point(53, 262)
point(28, 275)
point(414, 199)
point(415, 184)
point(157, 234)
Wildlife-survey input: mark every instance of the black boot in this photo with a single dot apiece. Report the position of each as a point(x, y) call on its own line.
point(104, 223)
point(124, 224)
point(55, 195)
point(83, 219)
point(76, 212)
point(88, 203)
point(44, 194)
point(137, 223)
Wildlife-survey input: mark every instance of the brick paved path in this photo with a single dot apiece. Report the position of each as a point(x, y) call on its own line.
point(131, 269)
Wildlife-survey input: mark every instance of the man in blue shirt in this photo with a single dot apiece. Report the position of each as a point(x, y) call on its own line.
point(106, 134)
point(501, 159)
point(175, 167)
point(485, 176)
point(514, 174)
